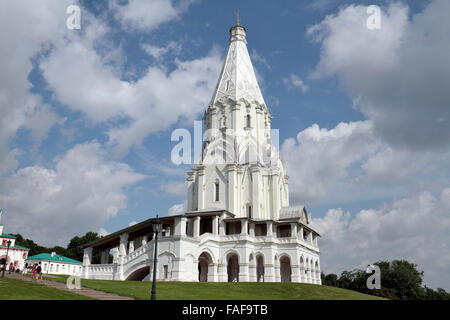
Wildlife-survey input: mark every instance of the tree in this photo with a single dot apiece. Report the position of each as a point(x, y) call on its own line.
point(402, 278)
point(75, 250)
point(331, 280)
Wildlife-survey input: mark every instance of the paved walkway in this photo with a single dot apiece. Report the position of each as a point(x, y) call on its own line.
point(100, 295)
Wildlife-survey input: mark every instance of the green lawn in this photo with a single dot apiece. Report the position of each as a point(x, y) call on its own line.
point(14, 289)
point(224, 291)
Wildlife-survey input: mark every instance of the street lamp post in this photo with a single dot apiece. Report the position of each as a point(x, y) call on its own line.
point(157, 227)
point(6, 258)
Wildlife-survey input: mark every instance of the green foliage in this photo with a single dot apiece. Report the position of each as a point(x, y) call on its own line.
point(74, 250)
point(30, 244)
point(331, 280)
point(400, 280)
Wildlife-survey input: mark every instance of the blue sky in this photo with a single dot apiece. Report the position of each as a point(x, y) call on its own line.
point(363, 116)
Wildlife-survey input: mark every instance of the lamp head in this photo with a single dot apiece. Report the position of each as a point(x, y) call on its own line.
point(157, 225)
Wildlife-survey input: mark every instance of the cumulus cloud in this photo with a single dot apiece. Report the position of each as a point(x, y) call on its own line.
point(81, 192)
point(146, 15)
point(320, 158)
point(415, 228)
point(294, 81)
point(175, 188)
point(33, 27)
point(102, 232)
point(177, 209)
point(398, 75)
point(80, 78)
point(160, 52)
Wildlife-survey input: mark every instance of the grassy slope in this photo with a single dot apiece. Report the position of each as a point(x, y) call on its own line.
point(225, 291)
point(14, 289)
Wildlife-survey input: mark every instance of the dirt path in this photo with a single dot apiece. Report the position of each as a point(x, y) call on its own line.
point(100, 295)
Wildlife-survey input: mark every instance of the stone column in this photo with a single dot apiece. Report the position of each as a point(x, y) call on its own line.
point(300, 233)
point(212, 272)
point(201, 191)
point(105, 257)
point(130, 246)
point(180, 226)
point(116, 255)
point(256, 184)
point(87, 260)
point(167, 232)
point(222, 226)
point(197, 227)
point(122, 255)
point(190, 185)
point(310, 240)
point(275, 194)
point(144, 240)
point(222, 276)
point(243, 272)
point(315, 241)
point(269, 228)
point(232, 178)
point(269, 268)
point(295, 275)
point(294, 230)
point(303, 273)
point(252, 229)
point(215, 225)
point(244, 227)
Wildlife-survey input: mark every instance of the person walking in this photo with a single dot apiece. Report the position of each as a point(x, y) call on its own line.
point(11, 268)
point(39, 271)
point(25, 269)
point(34, 272)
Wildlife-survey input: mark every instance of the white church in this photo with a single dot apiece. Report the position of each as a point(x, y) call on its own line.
point(238, 225)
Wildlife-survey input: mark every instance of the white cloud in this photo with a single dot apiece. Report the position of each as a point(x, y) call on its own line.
point(398, 75)
point(294, 81)
point(159, 52)
point(80, 79)
point(177, 209)
point(319, 158)
point(132, 223)
point(414, 228)
point(147, 15)
point(81, 192)
point(175, 188)
point(33, 27)
point(102, 232)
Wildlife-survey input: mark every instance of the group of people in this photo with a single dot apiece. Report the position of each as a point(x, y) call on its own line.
point(36, 269)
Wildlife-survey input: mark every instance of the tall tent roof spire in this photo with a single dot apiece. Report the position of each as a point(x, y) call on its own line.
point(237, 79)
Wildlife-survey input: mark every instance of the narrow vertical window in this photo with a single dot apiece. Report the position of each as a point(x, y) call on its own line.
point(217, 191)
point(249, 213)
point(166, 272)
point(248, 121)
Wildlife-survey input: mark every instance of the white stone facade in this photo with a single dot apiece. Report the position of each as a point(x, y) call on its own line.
point(16, 254)
point(239, 226)
point(55, 264)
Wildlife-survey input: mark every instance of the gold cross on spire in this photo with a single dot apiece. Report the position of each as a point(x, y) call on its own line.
point(237, 16)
